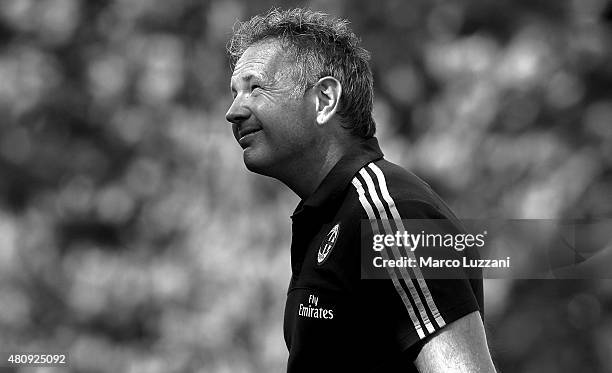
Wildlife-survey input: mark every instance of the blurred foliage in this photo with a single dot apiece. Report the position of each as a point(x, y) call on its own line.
point(132, 236)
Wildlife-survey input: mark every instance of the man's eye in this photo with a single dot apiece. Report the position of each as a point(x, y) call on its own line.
point(255, 86)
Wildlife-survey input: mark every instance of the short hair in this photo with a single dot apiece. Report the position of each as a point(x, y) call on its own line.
point(321, 46)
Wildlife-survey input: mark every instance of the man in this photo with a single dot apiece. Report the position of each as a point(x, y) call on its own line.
point(301, 111)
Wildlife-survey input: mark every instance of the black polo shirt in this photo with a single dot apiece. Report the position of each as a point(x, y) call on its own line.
point(334, 320)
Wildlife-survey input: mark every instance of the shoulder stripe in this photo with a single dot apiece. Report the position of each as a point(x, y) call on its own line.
point(398, 221)
point(398, 287)
point(395, 250)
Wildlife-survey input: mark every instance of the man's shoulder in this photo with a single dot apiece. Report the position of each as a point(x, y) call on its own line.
point(384, 186)
point(403, 184)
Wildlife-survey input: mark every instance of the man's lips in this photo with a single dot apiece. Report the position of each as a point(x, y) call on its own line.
point(242, 132)
point(244, 135)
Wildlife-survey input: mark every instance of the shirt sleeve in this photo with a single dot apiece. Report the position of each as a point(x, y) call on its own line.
point(412, 304)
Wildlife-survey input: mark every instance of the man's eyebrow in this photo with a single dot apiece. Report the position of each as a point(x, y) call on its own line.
point(248, 77)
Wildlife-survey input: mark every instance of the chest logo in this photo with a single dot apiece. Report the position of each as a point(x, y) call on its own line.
point(328, 244)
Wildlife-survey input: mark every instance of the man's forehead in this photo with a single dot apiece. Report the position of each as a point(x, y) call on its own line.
point(260, 60)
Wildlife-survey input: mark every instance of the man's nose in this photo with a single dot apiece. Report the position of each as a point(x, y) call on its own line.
point(237, 112)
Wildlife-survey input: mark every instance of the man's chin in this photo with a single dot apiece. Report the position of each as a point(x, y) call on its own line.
point(255, 164)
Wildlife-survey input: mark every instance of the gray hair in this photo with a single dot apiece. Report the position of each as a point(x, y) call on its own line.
point(321, 46)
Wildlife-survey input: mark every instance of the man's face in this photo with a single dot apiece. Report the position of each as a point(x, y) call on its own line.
point(274, 126)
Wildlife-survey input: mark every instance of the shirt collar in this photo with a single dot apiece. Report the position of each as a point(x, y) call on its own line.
point(334, 184)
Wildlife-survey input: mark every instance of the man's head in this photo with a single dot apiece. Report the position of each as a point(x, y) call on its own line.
point(295, 71)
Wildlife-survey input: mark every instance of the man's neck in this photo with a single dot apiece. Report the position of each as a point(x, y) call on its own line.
point(305, 179)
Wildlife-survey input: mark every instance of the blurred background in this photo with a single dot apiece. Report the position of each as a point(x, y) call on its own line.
point(133, 238)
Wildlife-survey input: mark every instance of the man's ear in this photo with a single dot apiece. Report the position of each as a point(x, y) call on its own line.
point(328, 91)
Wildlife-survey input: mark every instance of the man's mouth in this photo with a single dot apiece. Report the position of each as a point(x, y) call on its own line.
point(243, 132)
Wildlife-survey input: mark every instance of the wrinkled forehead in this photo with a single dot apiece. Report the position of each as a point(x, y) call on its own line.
point(266, 60)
